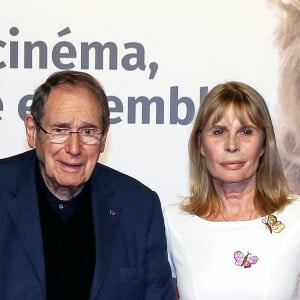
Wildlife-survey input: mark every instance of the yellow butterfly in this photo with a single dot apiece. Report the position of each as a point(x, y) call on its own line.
point(272, 224)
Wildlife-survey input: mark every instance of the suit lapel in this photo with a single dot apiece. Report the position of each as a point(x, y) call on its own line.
point(24, 213)
point(106, 213)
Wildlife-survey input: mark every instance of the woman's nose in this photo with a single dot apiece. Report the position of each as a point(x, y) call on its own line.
point(232, 144)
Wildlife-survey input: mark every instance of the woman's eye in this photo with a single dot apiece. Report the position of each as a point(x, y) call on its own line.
point(246, 131)
point(218, 132)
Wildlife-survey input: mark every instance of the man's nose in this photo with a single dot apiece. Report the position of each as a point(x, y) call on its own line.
point(73, 145)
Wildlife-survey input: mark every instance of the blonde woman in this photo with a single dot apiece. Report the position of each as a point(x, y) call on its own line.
point(237, 235)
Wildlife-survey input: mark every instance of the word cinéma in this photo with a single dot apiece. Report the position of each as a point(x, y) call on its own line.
point(141, 109)
point(65, 55)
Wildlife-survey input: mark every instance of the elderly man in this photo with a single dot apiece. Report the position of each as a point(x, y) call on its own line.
point(72, 228)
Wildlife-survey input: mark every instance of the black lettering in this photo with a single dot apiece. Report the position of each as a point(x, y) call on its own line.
point(145, 102)
point(174, 108)
point(24, 106)
point(118, 108)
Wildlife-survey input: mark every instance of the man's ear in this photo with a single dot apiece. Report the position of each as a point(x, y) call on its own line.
point(103, 139)
point(30, 130)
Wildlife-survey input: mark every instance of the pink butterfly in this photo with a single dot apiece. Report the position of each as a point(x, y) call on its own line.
point(244, 260)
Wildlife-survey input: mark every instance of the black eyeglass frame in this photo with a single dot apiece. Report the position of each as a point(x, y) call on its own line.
point(79, 132)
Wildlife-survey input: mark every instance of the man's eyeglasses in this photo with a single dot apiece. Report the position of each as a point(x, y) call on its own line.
point(89, 136)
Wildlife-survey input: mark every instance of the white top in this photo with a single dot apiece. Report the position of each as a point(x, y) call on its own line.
point(235, 260)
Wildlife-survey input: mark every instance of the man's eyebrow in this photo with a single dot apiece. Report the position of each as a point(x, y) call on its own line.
point(68, 125)
point(62, 124)
point(88, 124)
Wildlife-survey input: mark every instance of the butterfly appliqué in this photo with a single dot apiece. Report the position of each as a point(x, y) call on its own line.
point(244, 261)
point(273, 224)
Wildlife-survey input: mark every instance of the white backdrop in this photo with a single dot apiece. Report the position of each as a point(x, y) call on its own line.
point(194, 44)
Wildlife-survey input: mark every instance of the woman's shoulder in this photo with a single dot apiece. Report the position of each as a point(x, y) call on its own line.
point(293, 208)
point(294, 197)
point(174, 210)
point(295, 200)
point(177, 219)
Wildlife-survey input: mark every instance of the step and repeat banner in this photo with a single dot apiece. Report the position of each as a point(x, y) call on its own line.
point(156, 60)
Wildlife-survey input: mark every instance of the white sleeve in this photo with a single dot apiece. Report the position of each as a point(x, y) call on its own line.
point(169, 244)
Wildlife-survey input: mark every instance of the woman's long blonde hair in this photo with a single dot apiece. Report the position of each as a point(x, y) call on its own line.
point(271, 185)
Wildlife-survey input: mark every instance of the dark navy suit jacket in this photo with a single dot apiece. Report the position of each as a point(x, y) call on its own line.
point(131, 259)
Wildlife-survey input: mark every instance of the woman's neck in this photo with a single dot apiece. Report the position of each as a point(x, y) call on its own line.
point(236, 202)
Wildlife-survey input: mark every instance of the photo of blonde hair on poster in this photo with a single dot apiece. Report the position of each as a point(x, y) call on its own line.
point(288, 43)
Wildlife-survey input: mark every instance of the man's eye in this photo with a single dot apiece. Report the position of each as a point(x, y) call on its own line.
point(88, 131)
point(60, 130)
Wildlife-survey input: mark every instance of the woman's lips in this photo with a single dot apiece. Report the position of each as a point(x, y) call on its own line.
point(233, 164)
